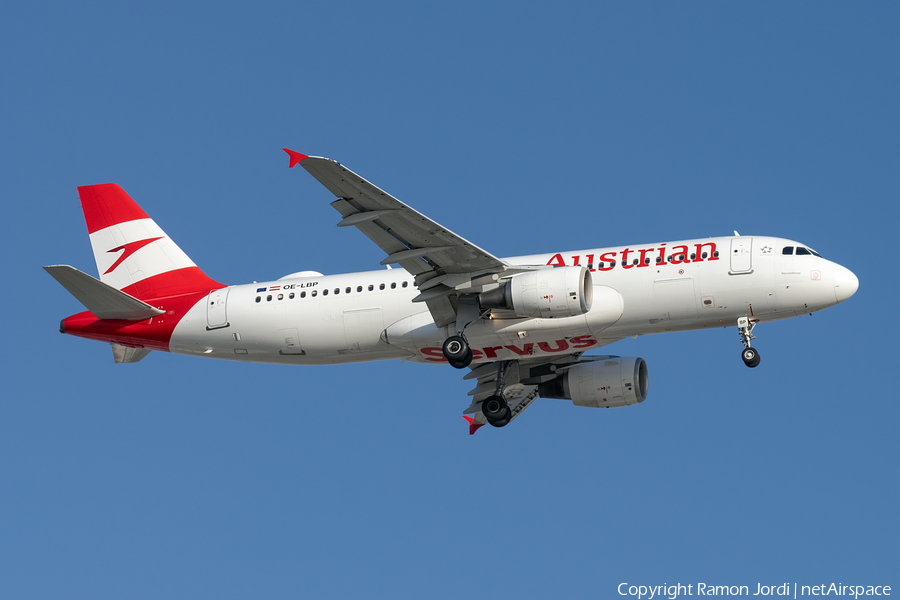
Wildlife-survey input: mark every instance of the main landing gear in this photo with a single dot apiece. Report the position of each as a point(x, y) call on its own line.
point(457, 352)
point(495, 408)
point(456, 347)
point(745, 328)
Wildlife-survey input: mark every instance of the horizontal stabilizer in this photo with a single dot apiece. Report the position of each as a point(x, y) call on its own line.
point(104, 301)
point(127, 354)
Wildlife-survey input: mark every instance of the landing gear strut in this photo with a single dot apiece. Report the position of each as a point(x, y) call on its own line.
point(745, 328)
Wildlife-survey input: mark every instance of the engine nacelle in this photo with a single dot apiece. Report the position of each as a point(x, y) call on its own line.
point(545, 293)
point(603, 383)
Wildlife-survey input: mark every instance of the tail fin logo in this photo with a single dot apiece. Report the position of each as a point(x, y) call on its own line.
point(129, 249)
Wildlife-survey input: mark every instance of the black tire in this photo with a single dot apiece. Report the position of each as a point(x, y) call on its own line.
point(457, 352)
point(494, 407)
point(750, 357)
point(507, 417)
point(462, 364)
point(455, 348)
point(496, 411)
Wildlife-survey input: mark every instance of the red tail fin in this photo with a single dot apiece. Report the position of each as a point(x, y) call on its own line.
point(133, 254)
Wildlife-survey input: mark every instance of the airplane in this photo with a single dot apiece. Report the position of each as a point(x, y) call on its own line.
point(521, 325)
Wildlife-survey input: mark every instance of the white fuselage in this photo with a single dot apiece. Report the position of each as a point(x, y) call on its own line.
point(371, 315)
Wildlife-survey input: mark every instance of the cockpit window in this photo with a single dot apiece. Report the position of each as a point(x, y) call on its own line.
point(802, 251)
point(788, 250)
point(814, 253)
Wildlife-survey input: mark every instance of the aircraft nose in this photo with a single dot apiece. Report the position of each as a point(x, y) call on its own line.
point(845, 283)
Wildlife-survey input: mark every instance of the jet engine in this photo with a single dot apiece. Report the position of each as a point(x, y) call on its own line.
point(604, 382)
point(545, 293)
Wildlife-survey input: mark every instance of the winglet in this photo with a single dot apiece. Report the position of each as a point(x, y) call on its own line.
point(473, 426)
point(295, 157)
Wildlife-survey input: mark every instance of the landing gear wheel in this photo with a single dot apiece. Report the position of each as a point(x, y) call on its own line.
point(462, 364)
point(496, 411)
point(504, 421)
point(457, 352)
point(750, 357)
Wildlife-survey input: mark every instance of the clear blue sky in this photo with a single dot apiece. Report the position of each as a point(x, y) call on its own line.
point(524, 127)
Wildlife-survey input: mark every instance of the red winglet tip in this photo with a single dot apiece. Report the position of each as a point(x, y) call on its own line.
point(473, 426)
point(295, 157)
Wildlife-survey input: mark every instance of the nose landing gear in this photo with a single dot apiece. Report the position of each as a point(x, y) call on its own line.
point(745, 328)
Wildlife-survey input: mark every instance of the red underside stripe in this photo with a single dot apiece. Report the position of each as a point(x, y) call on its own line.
point(175, 292)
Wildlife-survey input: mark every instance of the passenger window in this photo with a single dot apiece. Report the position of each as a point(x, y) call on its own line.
point(324, 292)
point(381, 287)
point(258, 298)
point(269, 298)
point(788, 250)
point(716, 254)
point(291, 296)
point(693, 255)
point(624, 262)
point(634, 262)
point(802, 251)
point(658, 259)
point(371, 287)
point(704, 255)
point(646, 261)
point(347, 290)
point(281, 296)
point(358, 288)
point(303, 294)
point(394, 286)
point(314, 292)
point(404, 284)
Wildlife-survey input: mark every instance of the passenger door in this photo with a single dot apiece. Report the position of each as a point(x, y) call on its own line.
point(216, 304)
point(741, 253)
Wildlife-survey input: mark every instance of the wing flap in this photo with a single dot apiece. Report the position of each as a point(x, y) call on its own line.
point(104, 301)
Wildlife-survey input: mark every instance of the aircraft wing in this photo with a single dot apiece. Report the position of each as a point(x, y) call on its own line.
point(442, 262)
